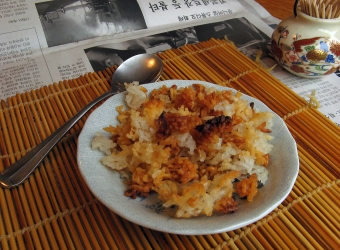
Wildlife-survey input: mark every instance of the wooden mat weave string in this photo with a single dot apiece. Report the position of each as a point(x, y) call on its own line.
point(54, 209)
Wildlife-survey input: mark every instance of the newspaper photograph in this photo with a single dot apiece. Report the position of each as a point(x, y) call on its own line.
point(83, 20)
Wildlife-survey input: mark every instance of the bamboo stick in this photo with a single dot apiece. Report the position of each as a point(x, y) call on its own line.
point(198, 241)
point(7, 134)
point(16, 126)
point(8, 225)
point(82, 90)
point(217, 74)
point(313, 134)
point(70, 107)
point(3, 241)
point(186, 242)
point(118, 223)
point(315, 114)
point(88, 89)
point(6, 156)
point(16, 213)
point(172, 240)
point(58, 118)
point(321, 215)
point(162, 240)
point(310, 240)
point(28, 206)
point(321, 152)
point(103, 82)
point(315, 226)
point(218, 239)
point(141, 237)
point(209, 73)
point(269, 237)
point(210, 240)
point(42, 207)
point(88, 219)
point(252, 238)
point(244, 239)
point(313, 162)
point(279, 90)
point(91, 223)
point(224, 72)
point(151, 238)
point(317, 240)
point(294, 233)
point(284, 235)
point(74, 100)
point(53, 188)
point(261, 94)
point(96, 89)
point(132, 235)
point(305, 142)
point(52, 174)
point(118, 242)
point(182, 67)
point(230, 243)
point(30, 239)
point(40, 238)
point(63, 104)
point(264, 243)
point(322, 204)
point(236, 240)
point(293, 240)
point(48, 165)
point(330, 133)
point(310, 165)
point(48, 109)
point(331, 194)
point(168, 67)
point(60, 110)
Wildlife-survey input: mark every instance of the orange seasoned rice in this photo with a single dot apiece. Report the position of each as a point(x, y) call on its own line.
point(196, 147)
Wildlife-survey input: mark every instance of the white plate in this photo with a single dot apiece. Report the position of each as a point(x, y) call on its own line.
point(108, 187)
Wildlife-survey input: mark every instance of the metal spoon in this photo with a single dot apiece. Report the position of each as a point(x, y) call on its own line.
point(143, 68)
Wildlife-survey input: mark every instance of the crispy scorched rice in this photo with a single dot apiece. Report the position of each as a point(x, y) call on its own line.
point(196, 147)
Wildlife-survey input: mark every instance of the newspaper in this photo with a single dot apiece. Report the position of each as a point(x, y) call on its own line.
point(48, 41)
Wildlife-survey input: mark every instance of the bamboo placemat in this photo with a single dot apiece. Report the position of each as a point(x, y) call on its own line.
point(54, 208)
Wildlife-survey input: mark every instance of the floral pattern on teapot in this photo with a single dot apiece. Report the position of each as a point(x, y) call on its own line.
point(313, 56)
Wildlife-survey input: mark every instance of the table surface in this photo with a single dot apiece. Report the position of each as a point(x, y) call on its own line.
point(278, 9)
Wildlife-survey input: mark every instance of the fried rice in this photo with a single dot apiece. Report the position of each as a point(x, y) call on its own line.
point(196, 147)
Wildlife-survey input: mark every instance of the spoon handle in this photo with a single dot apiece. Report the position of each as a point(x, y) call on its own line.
point(21, 169)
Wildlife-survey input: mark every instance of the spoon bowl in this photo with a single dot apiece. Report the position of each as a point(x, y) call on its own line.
point(144, 68)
